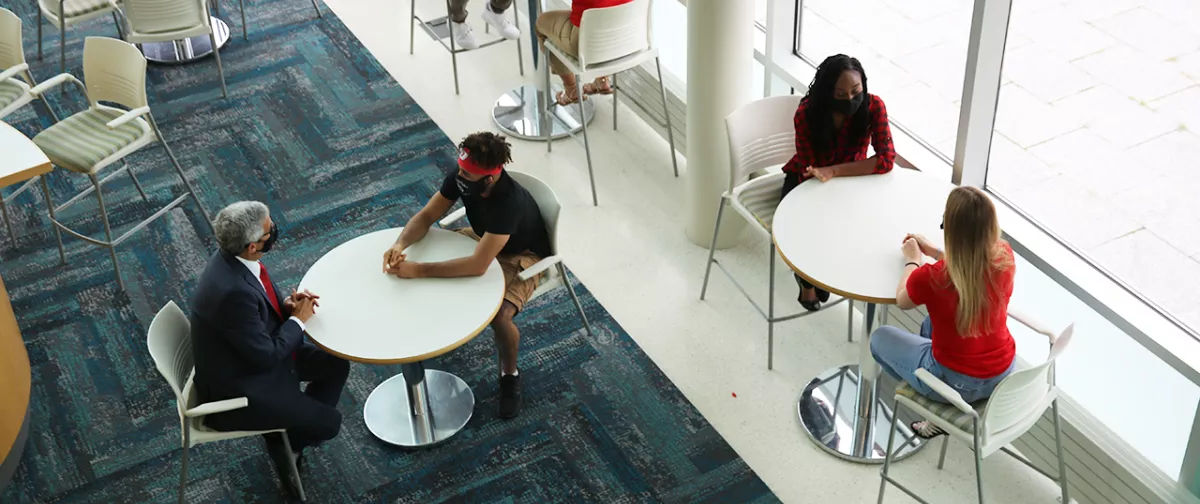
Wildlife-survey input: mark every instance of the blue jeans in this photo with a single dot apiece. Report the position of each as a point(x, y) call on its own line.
point(900, 353)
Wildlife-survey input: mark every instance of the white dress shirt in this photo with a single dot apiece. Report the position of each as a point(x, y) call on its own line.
point(256, 270)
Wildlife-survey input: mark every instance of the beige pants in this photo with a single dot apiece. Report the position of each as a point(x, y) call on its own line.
point(516, 291)
point(556, 26)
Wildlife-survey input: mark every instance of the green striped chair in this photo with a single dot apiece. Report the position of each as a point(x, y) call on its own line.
point(63, 13)
point(761, 137)
point(990, 425)
point(90, 141)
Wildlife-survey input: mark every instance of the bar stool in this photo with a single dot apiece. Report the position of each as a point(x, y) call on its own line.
point(611, 40)
point(170, 20)
point(434, 28)
point(63, 13)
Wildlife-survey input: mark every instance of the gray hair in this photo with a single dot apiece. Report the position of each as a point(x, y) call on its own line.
point(240, 224)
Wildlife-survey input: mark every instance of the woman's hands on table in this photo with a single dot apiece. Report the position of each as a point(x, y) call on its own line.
point(911, 250)
point(925, 245)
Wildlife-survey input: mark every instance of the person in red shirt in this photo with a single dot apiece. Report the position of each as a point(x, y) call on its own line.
point(965, 340)
point(835, 123)
point(562, 28)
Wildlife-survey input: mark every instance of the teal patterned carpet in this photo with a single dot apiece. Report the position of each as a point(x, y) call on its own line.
point(318, 130)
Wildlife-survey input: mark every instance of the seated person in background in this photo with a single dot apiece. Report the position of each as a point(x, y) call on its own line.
point(836, 120)
point(508, 225)
point(562, 28)
point(965, 340)
point(493, 14)
point(248, 341)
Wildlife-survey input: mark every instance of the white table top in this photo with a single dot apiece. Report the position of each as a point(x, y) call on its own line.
point(368, 316)
point(845, 235)
point(22, 160)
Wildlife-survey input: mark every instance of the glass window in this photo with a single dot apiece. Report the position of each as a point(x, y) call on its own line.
point(1096, 129)
point(914, 54)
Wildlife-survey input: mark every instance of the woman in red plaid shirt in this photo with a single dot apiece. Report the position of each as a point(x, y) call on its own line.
point(836, 121)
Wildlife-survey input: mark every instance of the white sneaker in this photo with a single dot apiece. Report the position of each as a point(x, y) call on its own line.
point(464, 37)
point(501, 23)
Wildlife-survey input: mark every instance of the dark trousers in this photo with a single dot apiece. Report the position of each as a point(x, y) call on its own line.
point(311, 416)
point(790, 181)
point(458, 8)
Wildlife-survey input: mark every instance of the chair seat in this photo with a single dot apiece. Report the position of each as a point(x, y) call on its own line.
point(80, 142)
point(601, 67)
point(77, 8)
point(760, 197)
point(10, 91)
point(947, 412)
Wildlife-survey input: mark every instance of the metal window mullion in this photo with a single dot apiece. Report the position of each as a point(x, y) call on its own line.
point(981, 90)
point(1189, 471)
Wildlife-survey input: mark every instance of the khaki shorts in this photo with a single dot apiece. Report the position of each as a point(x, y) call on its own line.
point(516, 291)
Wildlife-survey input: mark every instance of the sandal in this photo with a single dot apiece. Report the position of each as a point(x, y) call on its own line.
point(567, 96)
point(599, 86)
point(926, 430)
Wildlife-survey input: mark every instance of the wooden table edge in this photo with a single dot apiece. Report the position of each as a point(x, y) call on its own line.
point(845, 294)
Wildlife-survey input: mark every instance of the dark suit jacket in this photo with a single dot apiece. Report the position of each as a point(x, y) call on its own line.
point(241, 346)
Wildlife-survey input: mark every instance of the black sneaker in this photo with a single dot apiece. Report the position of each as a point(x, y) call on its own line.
point(510, 396)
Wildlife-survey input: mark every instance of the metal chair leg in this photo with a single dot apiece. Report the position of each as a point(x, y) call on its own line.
point(412, 25)
point(712, 248)
point(245, 27)
point(33, 82)
point(183, 469)
point(216, 5)
point(62, 44)
point(614, 100)
point(662, 88)
point(112, 250)
point(39, 25)
point(295, 472)
point(520, 53)
point(771, 313)
point(453, 50)
point(62, 254)
point(850, 320)
point(212, 36)
point(136, 184)
point(978, 463)
point(182, 176)
point(551, 102)
point(317, 8)
point(562, 272)
point(942, 457)
point(1062, 462)
point(887, 456)
point(587, 147)
point(117, 23)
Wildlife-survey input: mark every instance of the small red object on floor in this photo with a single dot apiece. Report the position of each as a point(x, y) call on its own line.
point(735, 395)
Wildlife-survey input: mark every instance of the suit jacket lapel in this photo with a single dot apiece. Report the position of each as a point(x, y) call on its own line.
point(256, 284)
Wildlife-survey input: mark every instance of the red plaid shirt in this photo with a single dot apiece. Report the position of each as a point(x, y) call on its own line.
point(844, 149)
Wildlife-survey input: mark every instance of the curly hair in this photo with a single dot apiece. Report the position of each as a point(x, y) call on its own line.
point(487, 149)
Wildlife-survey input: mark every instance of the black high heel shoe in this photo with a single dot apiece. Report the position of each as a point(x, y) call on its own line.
point(822, 295)
point(813, 305)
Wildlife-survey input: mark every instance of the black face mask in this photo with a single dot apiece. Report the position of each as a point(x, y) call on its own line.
point(270, 242)
point(848, 107)
point(471, 188)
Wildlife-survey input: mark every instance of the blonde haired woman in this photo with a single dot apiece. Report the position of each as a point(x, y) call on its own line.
point(965, 340)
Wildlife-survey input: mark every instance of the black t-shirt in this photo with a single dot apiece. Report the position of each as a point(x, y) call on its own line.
point(508, 210)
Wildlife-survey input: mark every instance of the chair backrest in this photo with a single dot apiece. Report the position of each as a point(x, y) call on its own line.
point(761, 134)
point(1020, 397)
point(12, 53)
point(547, 202)
point(147, 17)
point(170, 343)
point(114, 71)
point(610, 33)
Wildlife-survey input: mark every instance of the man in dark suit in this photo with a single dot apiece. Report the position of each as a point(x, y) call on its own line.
point(249, 342)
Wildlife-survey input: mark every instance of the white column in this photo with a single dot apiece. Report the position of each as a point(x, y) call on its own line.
point(720, 61)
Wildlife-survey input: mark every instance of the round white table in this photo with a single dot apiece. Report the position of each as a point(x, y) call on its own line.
point(370, 317)
point(844, 236)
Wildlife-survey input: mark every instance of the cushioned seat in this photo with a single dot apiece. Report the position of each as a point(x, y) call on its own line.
point(761, 197)
point(76, 8)
point(10, 90)
point(79, 142)
point(944, 411)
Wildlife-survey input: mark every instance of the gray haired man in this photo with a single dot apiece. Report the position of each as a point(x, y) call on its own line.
point(248, 341)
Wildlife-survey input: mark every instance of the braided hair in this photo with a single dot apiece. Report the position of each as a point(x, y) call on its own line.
point(819, 100)
point(487, 149)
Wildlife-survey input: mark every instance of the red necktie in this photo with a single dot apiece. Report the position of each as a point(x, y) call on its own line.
point(270, 288)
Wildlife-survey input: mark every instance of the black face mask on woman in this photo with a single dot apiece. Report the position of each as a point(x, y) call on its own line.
point(848, 107)
point(471, 187)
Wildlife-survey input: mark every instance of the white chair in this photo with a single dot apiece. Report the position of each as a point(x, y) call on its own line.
point(242, 7)
point(91, 140)
point(992, 424)
point(151, 21)
point(170, 343)
point(611, 40)
point(761, 135)
point(447, 42)
point(15, 83)
point(548, 204)
point(64, 13)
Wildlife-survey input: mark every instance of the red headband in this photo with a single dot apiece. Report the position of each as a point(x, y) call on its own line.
point(465, 162)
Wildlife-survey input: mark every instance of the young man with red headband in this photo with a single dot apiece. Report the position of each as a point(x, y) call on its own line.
point(508, 225)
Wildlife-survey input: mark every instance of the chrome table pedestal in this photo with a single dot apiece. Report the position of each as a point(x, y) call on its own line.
point(842, 411)
point(419, 408)
point(516, 113)
point(186, 50)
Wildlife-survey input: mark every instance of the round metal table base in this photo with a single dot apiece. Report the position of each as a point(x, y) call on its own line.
point(828, 410)
point(516, 113)
point(186, 50)
point(389, 417)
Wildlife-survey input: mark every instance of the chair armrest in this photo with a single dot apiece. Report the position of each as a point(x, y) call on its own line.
point(945, 391)
point(217, 407)
point(12, 71)
point(56, 81)
point(128, 116)
point(1029, 321)
point(539, 267)
point(454, 216)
